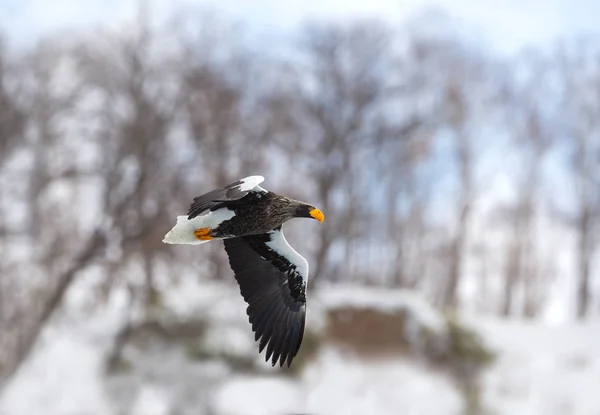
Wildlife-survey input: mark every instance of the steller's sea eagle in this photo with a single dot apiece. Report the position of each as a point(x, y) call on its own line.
point(272, 276)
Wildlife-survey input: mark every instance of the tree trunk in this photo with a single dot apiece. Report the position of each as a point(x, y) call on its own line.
point(583, 289)
point(457, 249)
point(326, 234)
point(511, 277)
point(456, 261)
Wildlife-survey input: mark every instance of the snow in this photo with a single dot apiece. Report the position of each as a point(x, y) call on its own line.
point(151, 401)
point(230, 340)
point(383, 299)
point(257, 396)
point(217, 301)
point(339, 383)
point(62, 378)
point(540, 370)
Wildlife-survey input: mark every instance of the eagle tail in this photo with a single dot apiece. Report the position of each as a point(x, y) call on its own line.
point(184, 232)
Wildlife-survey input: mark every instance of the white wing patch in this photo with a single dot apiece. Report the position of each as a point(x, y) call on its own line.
point(259, 189)
point(213, 219)
point(251, 182)
point(279, 244)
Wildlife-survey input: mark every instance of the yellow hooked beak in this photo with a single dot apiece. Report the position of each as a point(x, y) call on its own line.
point(317, 214)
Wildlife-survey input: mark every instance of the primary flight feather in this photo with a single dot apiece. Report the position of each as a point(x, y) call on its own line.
point(272, 276)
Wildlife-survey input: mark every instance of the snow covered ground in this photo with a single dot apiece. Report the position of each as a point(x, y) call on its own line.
point(540, 369)
point(340, 384)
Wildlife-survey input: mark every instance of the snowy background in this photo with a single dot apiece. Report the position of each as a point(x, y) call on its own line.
point(454, 147)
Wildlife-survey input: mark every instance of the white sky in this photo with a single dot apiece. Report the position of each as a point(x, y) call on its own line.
point(509, 25)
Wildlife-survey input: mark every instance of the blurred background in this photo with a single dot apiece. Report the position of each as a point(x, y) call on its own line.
point(454, 147)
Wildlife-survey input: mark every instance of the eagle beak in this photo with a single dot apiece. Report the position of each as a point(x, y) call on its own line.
point(317, 214)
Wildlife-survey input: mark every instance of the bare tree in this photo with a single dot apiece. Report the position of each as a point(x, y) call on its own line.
point(110, 137)
point(339, 122)
point(580, 76)
point(462, 99)
point(139, 179)
point(223, 101)
point(53, 248)
point(12, 123)
point(529, 125)
point(12, 119)
point(128, 137)
point(401, 160)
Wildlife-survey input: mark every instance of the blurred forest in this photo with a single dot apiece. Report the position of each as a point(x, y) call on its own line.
point(440, 167)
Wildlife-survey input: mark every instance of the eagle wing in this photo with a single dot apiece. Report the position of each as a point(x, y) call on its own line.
point(230, 193)
point(272, 277)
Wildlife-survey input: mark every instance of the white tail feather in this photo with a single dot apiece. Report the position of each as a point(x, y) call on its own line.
point(183, 232)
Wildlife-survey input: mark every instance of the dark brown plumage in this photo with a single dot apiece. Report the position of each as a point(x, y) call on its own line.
point(258, 213)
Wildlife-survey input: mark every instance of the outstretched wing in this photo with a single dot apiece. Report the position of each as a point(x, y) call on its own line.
point(272, 278)
point(232, 192)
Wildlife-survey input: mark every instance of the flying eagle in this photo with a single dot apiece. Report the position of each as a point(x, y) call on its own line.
point(272, 276)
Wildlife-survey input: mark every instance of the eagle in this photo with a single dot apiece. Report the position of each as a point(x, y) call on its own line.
point(271, 275)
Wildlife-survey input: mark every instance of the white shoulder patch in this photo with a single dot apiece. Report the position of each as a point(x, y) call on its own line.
point(212, 219)
point(279, 244)
point(259, 189)
point(250, 182)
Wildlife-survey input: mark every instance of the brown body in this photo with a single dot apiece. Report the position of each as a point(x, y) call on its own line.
point(259, 213)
